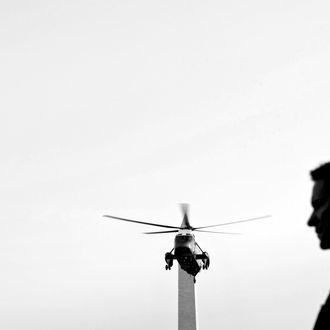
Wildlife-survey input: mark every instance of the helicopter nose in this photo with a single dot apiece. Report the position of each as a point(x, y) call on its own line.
point(182, 251)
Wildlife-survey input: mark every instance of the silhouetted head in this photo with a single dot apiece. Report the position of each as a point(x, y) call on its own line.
point(320, 218)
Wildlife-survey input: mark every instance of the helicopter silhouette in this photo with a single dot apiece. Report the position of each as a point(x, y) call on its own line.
point(186, 250)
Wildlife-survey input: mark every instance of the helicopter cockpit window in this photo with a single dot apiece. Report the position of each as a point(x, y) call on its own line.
point(183, 238)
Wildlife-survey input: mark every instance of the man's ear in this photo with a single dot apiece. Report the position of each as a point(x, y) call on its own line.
point(326, 206)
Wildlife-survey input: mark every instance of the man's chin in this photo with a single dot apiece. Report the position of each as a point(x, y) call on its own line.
point(324, 244)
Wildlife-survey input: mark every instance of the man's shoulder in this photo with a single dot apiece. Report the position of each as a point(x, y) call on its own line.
point(323, 319)
point(327, 302)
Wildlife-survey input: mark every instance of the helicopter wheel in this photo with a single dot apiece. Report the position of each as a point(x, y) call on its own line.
point(166, 267)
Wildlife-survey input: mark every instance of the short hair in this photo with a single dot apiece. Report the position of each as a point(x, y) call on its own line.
point(321, 173)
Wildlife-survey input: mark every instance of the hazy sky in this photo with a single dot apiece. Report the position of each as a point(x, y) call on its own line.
point(130, 107)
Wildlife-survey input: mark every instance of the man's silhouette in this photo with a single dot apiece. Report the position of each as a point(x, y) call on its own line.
point(320, 220)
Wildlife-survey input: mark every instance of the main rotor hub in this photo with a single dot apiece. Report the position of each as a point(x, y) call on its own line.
point(185, 232)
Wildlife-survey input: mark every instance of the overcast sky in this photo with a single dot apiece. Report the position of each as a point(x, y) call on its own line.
point(131, 107)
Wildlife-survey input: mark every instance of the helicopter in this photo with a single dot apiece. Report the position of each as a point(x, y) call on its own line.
point(186, 250)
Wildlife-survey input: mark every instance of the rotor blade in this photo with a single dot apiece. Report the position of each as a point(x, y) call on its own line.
point(184, 208)
point(217, 232)
point(162, 232)
point(141, 222)
point(185, 211)
point(233, 222)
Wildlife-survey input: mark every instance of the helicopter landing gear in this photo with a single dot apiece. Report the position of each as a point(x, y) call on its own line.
point(206, 260)
point(194, 279)
point(205, 266)
point(169, 260)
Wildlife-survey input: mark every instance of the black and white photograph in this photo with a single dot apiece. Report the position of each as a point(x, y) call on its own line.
point(164, 165)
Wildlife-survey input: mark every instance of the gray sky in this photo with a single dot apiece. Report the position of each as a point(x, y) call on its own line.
point(128, 108)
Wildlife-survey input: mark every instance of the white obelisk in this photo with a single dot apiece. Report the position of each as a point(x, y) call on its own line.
point(187, 305)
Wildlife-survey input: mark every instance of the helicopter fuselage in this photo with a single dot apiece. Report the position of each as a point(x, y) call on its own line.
point(188, 254)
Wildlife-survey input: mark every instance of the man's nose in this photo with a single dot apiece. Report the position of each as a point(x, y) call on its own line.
point(313, 220)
